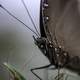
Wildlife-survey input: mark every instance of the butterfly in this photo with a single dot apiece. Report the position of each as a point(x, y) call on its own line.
point(46, 40)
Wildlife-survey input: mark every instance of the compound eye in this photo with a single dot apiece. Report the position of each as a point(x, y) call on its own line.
point(42, 45)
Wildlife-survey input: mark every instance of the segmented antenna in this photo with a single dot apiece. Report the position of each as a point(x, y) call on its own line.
point(18, 20)
point(30, 16)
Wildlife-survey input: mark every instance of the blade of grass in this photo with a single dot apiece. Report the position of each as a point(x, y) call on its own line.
point(16, 75)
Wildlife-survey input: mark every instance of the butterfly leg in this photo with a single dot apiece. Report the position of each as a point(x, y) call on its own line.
point(43, 67)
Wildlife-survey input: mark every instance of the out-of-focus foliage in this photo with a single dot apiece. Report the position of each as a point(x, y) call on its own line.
point(1, 78)
point(16, 75)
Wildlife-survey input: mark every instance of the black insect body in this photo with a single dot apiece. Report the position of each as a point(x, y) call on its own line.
point(51, 52)
point(55, 55)
point(46, 48)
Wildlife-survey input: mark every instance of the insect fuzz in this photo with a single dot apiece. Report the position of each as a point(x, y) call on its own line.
point(55, 55)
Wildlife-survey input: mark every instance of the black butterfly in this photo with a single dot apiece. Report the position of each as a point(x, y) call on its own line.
point(49, 48)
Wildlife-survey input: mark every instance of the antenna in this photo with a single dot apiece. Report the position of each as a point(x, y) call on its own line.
point(18, 20)
point(30, 16)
